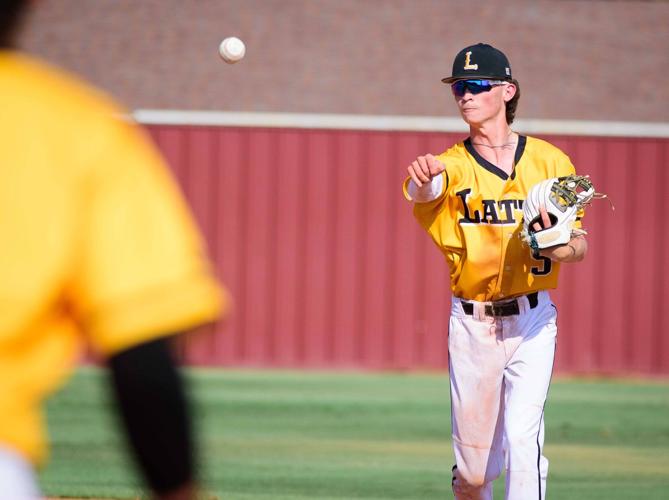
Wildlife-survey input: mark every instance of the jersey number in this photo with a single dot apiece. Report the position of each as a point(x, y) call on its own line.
point(546, 269)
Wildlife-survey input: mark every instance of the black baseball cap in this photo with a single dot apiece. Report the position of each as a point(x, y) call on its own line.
point(480, 61)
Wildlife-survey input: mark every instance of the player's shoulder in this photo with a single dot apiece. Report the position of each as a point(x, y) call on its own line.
point(543, 148)
point(78, 125)
point(454, 157)
point(546, 158)
point(52, 91)
point(456, 151)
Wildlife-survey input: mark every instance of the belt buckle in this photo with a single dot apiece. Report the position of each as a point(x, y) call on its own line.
point(502, 309)
point(496, 310)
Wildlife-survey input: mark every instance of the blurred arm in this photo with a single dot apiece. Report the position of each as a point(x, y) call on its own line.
point(152, 403)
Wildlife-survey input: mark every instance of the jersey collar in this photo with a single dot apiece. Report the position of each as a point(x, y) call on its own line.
point(494, 169)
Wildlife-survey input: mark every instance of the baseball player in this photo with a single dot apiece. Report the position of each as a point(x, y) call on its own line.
point(502, 329)
point(98, 246)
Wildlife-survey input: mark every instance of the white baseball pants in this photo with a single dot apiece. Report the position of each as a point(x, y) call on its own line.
point(500, 371)
point(17, 479)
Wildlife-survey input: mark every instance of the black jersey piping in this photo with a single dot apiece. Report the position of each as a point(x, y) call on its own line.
point(494, 169)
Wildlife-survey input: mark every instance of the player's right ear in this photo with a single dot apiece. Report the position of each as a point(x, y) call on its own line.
point(509, 91)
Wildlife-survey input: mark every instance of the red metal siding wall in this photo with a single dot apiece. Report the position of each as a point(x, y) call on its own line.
point(328, 269)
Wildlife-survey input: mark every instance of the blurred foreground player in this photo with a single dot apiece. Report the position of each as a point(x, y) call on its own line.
point(98, 246)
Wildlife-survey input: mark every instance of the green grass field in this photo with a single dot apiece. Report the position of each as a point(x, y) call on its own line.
point(288, 435)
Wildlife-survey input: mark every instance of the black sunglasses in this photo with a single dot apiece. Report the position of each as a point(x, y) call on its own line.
point(474, 86)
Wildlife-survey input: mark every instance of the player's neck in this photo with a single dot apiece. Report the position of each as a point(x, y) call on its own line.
point(496, 143)
point(493, 135)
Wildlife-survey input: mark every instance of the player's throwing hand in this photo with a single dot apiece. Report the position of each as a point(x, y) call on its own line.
point(424, 168)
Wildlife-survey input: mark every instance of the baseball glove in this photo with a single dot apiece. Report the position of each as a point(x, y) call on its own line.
point(562, 197)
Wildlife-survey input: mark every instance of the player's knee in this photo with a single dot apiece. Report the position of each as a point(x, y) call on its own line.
point(521, 453)
point(519, 450)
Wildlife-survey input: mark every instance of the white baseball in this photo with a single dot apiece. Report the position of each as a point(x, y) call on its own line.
point(232, 49)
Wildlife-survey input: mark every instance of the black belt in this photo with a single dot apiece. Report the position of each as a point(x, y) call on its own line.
point(509, 308)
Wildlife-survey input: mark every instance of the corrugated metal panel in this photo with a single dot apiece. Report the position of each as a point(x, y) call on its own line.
point(309, 230)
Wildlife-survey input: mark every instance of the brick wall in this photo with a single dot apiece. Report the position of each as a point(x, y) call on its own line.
point(591, 60)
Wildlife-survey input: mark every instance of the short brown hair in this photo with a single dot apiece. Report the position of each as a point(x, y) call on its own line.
point(512, 104)
point(11, 15)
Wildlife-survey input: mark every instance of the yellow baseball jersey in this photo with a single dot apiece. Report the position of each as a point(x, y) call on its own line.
point(476, 222)
point(97, 242)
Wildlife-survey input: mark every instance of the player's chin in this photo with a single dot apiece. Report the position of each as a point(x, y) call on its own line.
point(471, 116)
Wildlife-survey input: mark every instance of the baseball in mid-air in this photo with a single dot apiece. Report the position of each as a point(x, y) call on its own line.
point(232, 49)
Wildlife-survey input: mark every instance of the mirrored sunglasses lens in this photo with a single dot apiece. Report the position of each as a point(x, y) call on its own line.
point(458, 88)
point(474, 86)
point(478, 86)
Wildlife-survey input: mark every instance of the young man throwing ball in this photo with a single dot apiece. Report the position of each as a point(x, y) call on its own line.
point(503, 324)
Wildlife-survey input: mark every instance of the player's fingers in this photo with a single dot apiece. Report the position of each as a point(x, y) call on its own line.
point(545, 220)
point(422, 169)
point(424, 166)
point(536, 226)
point(435, 166)
point(414, 177)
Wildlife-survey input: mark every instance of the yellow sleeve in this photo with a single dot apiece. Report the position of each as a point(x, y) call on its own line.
point(142, 270)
